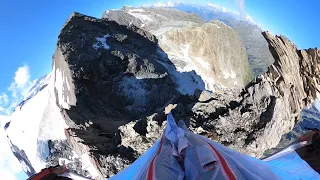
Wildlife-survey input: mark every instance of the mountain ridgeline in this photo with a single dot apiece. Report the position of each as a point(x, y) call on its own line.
point(212, 49)
point(113, 78)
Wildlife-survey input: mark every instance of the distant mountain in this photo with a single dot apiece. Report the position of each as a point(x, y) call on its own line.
point(260, 57)
point(212, 50)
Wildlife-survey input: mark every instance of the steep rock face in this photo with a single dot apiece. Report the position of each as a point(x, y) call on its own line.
point(105, 76)
point(259, 55)
point(307, 67)
point(181, 34)
point(102, 58)
point(214, 49)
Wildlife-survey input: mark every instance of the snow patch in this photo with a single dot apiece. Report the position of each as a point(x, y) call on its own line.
point(22, 131)
point(134, 88)
point(186, 79)
point(228, 74)
point(102, 42)
point(317, 104)
point(142, 17)
point(217, 26)
point(189, 65)
point(203, 63)
point(37, 122)
point(136, 10)
point(37, 85)
point(64, 89)
point(187, 82)
point(87, 165)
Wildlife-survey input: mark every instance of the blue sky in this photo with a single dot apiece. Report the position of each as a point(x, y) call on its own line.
point(29, 31)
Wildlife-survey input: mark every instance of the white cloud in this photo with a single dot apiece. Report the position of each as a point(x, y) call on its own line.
point(242, 7)
point(249, 18)
point(17, 90)
point(167, 4)
point(22, 75)
point(213, 5)
point(4, 99)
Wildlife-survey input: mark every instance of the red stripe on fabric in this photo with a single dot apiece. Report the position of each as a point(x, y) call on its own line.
point(150, 170)
point(42, 174)
point(224, 163)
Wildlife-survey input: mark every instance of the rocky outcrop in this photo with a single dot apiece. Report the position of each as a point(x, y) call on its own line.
point(305, 70)
point(106, 75)
point(222, 59)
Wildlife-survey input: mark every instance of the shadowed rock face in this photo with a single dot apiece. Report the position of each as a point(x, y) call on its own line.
point(124, 77)
point(110, 77)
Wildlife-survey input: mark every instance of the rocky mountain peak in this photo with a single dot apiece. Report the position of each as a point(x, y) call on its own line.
point(294, 62)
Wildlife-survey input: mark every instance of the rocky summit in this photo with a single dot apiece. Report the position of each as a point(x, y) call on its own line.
point(114, 80)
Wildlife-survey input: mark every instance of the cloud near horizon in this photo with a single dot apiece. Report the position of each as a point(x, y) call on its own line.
point(17, 90)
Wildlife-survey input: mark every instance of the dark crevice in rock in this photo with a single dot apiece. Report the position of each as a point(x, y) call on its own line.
point(239, 130)
point(234, 104)
point(267, 115)
point(141, 127)
point(246, 108)
point(251, 137)
point(226, 143)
